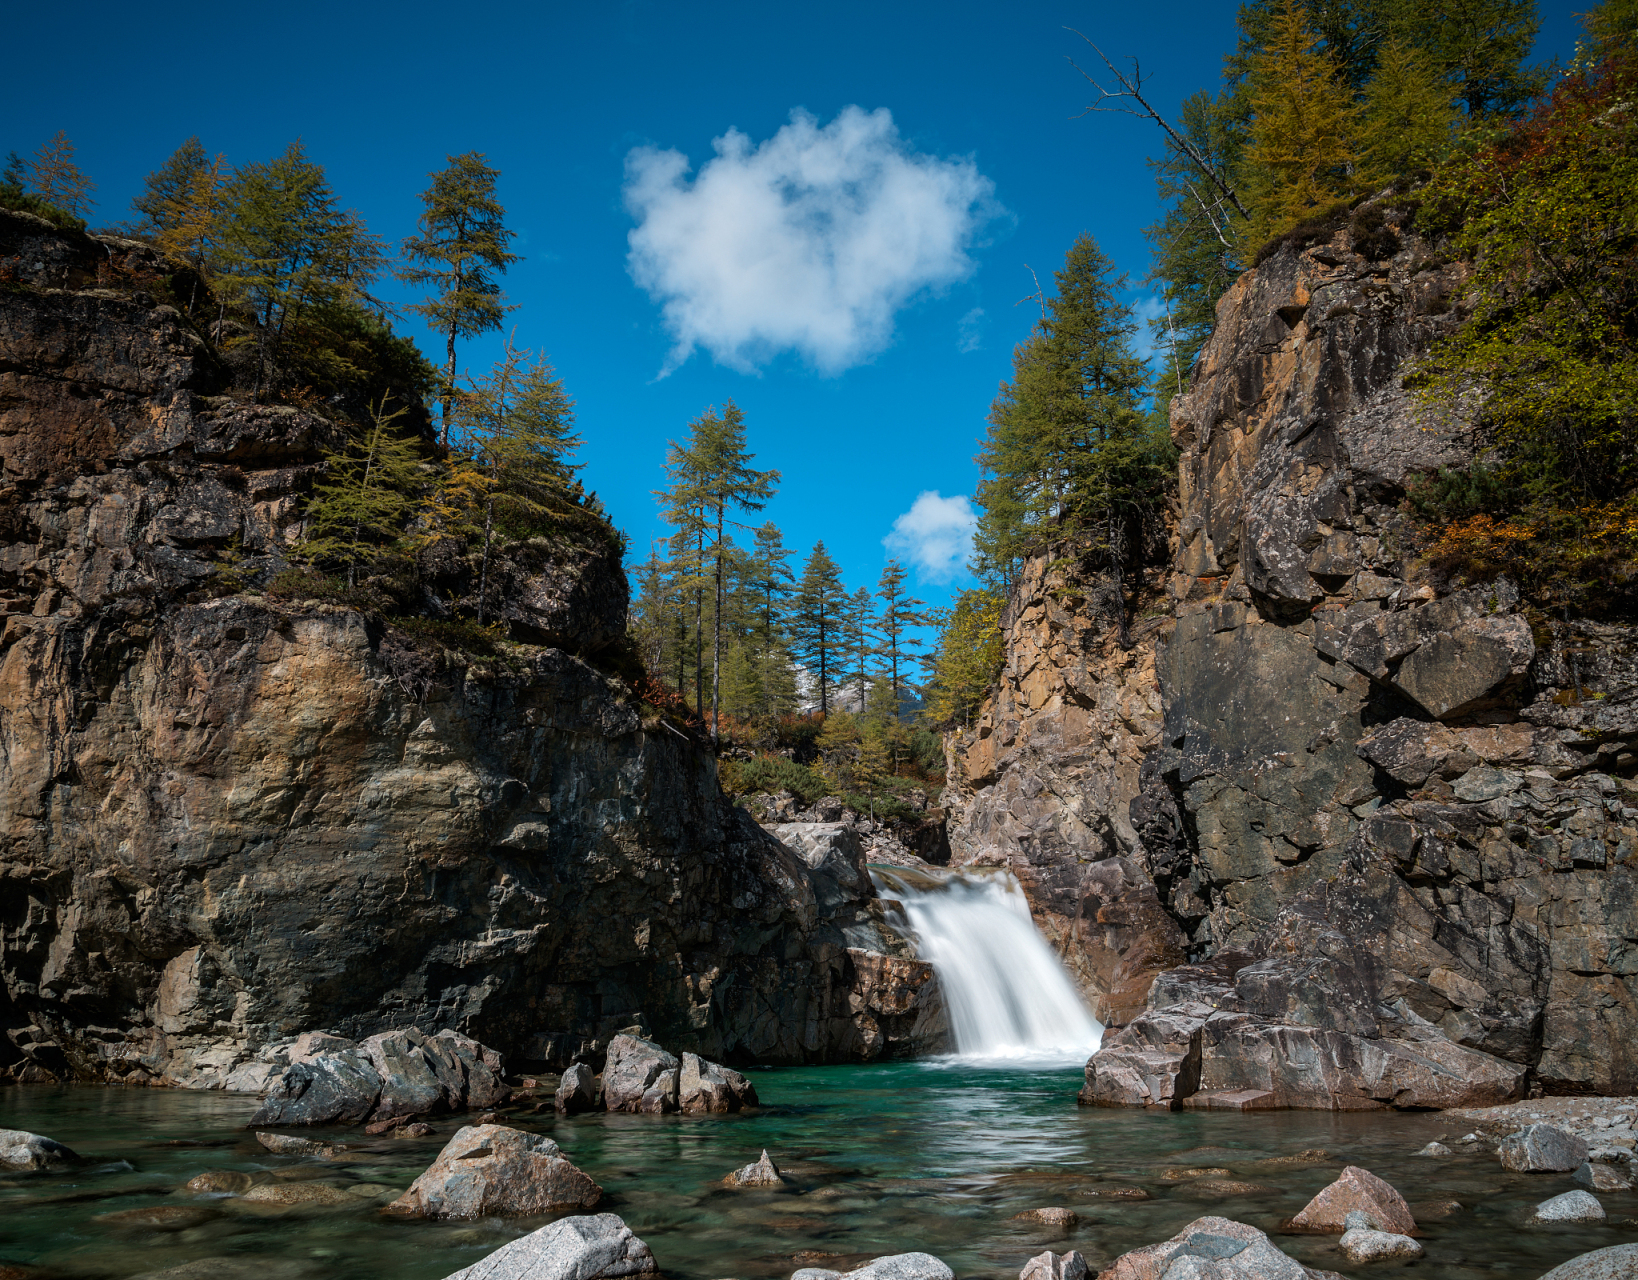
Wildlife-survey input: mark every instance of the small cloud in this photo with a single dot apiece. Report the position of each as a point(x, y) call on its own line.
point(935, 535)
point(970, 330)
point(809, 242)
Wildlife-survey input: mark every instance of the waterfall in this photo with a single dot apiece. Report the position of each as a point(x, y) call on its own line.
point(1008, 996)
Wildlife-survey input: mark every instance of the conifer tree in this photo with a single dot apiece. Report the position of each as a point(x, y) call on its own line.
point(816, 620)
point(14, 177)
point(1479, 46)
point(900, 611)
point(57, 180)
point(859, 640)
point(170, 187)
point(771, 577)
point(462, 249)
point(1407, 119)
point(1300, 149)
point(968, 657)
point(370, 491)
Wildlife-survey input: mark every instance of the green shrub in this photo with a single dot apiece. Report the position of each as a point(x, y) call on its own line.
point(772, 774)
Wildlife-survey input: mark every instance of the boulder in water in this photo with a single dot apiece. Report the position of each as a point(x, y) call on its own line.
point(707, 1088)
point(1540, 1148)
point(287, 1144)
point(1220, 1247)
point(329, 1081)
point(1052, 1216)
point(20, 1149)
point(1361, 1244)
point(638, 1075)
point(764, 1173)
point(1356, 1189)
point(576, 1091)
point(1601, 1177)
point(582, 1248)
point(1572, 1206)
point(900, 1266)
point(1051, 1266)
point(1618, 1262)
point(411, 1084)
point(491, 1169)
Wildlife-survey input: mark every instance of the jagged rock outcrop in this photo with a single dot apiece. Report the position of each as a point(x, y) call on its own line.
point(1390, 824)
point(230, 817)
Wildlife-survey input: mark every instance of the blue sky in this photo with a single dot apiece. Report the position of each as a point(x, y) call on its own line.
point(863, 339)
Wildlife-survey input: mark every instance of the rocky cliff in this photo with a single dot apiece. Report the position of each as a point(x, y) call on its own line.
point(1329, 833)
point(231, 815)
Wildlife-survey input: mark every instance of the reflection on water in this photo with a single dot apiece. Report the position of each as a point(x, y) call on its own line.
point(885, 1159)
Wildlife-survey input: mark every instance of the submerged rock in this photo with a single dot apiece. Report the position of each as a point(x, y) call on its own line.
point(1361, 1244)
point(639, 1076)
point(1572, 1206)
point(491, 1169)
point(1051, 1266)
point(1540, 1148)
point(582, 1248)
point(225, 1182)
point(764, 1173)
point(1601, 1177)
point(1356, 1190)
point(294, 1193)
point(287, 1144)
point(576, 1091)
point(20, 1149)
point(1437, 1149)
point(1053, 1216)
point(157, 1217)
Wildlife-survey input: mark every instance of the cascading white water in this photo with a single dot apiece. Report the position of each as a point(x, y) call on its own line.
point(1008, 996)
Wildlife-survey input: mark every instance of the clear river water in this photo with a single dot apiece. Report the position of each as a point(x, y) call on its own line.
point(932, 1156)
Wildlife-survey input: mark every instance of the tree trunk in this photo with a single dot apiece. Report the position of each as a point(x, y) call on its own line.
point(483, 575)
point(716, 635)
point(449, 386)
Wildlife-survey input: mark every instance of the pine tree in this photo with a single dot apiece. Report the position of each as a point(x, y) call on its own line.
point(859, 642)
point(462, 248)
point(1478, 45)
point(1300, 150)
point(170, 187)
point(900, 611)
point(370, 491)
point(816, 620)
point(56, 179)
point(1408, 118)
point(14, 177)
point(683, 508)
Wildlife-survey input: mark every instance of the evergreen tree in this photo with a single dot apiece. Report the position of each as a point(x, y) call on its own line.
point(462, 249)
point(170, 187)
point(968, 658)
point(370, 492)
point(900, 611)
point(1408, 118)
point(771, 577)
point(14, 177)
point(683, 507)
point(1479, 46)
point(859, 641)
point(1300, 153)
point(816, 620)
point(57, 180)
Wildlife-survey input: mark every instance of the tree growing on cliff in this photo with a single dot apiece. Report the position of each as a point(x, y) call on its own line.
point(817, 619)
point(57, 180)
point(1407, 119)
point(362, 508)
point(169, 188)
point(462, 249)
point(968, 658)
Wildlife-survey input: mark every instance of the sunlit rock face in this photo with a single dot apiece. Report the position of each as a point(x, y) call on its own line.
point(230, 819)
point(1386, 813)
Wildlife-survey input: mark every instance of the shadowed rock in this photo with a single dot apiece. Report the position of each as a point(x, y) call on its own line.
point(639, 1076)
point(491, 1169)
point(1051, 1266)
point(20, 1149)
point(576, 1091)
point(705, 1087)
point(329, 1081)
point(1356, 1190)
point(1540, 1148)
point(1601, 1177)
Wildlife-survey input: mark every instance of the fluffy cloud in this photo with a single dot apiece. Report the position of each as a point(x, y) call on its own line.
point(808, 242)
point(935, 535)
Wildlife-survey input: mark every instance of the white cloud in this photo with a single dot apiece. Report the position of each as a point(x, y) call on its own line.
point(935, 535)
point(970, 330)
point(808, 242)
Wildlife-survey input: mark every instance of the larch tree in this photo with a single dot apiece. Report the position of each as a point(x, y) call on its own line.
point(170, 187)
point(817, 619)
point(683, 507)
point(860, 639)
point(460, 253)
point(371, 489)
point(900, 611)
point(57, 180)
point(1407, 118)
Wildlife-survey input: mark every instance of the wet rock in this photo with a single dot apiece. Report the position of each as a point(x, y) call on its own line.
point(410, 1082)
point(1216, 1247)
point(1618, 1262)
point(1601, 1177)
point(378, 1127)
point(1229, 1187)
point(705, 1087)
point(1116, 1193)
point(1364, 1245)
point(20, 1149)
point(576, 1091)
point(416, 1129)
point(287, 1144)
point(1435, 1149)
point(900, 1266)
point(1572, 1206)
point(579, 1248)
point(1052, 1216)
point(159, 1217)
point(227, 1182)
point(491, 1169)
point(1153, 1061)
point(1429, 1209)
point(1186, 1175)
point(329, 1081)
point(297, 1193)
point(1313, 1155)
point(764, 1173)
point(1051, 1266)
point(1354, 1190)
point(1540, 1148)
point(639, 1076)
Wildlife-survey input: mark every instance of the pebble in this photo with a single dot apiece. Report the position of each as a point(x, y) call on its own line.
point(1572, 1206)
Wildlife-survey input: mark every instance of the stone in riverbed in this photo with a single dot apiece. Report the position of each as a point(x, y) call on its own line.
point(584, 1248)
point(410, 1083)
point(1218, 1247)
point(286, 1144)
point(638, 1075)
point(1618, 1262)
point(576, 1091)
point(1187, 1175)
point(1052, 1216)
point(900, 1266)
point(764, 1173)
point(491, 1169)
point(1572, 1206)
point(20, 1149)
point(294, 1193)
point(221, 1182)
point(1116, 1193)
point(1434, 1149)
point(705, 1087)
point(1540, 1148)
point(1356, 1189)
point(1048, 1266)
point(1601, 1177)
point(1363, 1245)
point(329, 1081)
point(1227, 1187)
point(157, 1217)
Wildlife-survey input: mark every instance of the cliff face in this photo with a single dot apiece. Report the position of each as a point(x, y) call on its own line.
point(1388, 823)
point(229, 818)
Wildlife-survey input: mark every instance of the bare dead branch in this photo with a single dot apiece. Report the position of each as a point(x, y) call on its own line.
point(1039, 296)
point(1131, 86)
